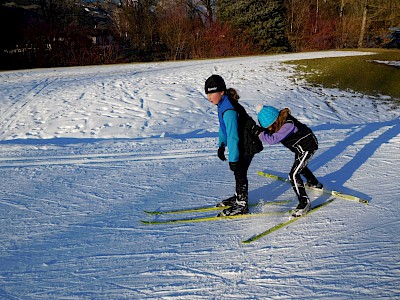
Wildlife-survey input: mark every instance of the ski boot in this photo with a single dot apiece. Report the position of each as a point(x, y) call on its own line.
point(302, 208)
point(237, 209)
point(317, 185)
point(231, 201)
point(240, 207)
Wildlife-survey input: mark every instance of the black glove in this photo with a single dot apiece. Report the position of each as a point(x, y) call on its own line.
point(253, 128)
point(221, 152)
point(233, 166)
point(256, 130)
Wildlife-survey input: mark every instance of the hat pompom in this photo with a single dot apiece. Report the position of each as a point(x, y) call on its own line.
point(259, 108)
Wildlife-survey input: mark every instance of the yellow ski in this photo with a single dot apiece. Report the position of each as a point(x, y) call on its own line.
point(323, 190)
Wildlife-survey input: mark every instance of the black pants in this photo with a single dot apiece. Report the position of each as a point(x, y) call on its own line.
point(300, 168)
point(242, 184)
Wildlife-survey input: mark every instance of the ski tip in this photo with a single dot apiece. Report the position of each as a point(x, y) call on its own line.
point(152, 212)
point(248, 241)
point(147, 222)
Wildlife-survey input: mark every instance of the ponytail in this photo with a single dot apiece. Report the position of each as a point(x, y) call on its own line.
point(232, 94)
point(283, 114)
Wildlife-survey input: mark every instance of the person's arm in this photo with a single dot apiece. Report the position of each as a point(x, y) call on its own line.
point(222, 138)
point(278, 136)
point(231, 123)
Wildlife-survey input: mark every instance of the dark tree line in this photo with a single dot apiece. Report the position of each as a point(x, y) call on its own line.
point(53, 33)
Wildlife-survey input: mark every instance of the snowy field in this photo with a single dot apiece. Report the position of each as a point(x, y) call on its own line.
point(84, 151)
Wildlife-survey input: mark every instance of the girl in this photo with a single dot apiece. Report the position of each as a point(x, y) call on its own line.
point(282, 127)
point(232, 121)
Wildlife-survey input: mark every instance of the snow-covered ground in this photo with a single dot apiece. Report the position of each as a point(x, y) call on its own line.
point(83, 151)
point(389, 63)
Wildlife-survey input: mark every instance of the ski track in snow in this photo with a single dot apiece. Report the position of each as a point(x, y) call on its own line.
point(85, 150)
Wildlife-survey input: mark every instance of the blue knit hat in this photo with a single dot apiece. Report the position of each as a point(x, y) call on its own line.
point(267, 116)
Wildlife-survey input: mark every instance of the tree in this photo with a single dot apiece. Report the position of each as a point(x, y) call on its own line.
point(363, 23)
point(380, 15)
point(59, 12)
point(262, 23)
point(203, 8)
point(140, 23)
point(176, 31)
point(370, 19)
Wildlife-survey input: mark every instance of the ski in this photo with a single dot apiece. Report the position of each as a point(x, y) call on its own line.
point(213, 218)
point(207, 208)
point(323, 190)
point(185, 210)
point(283, 224)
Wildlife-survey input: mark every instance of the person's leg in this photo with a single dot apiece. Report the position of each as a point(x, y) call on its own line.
point(300, 162)
point(311, 179)
point(242, 183)
point(242, 189)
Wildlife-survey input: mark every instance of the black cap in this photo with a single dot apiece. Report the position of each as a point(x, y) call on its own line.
point(214, 83)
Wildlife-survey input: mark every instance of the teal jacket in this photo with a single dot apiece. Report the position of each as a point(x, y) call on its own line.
point(228, 128)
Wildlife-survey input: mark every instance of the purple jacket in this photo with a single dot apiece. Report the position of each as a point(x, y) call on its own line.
point(278, 136)
point(294, 135)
